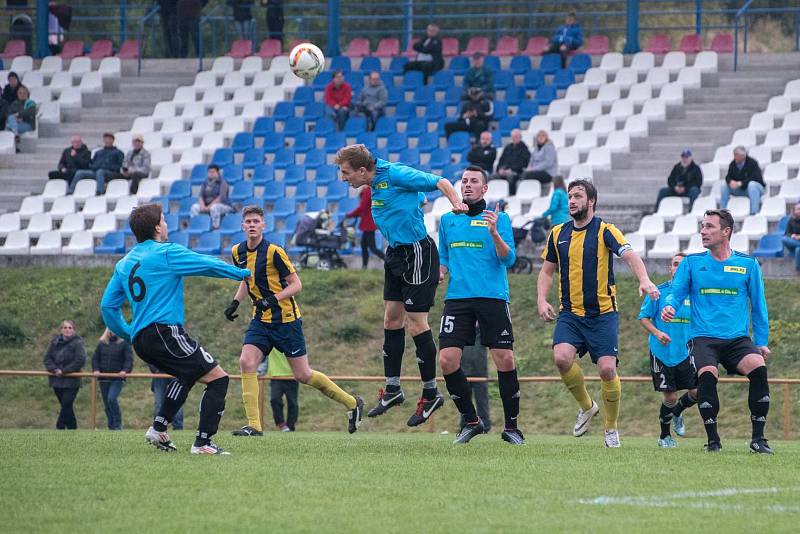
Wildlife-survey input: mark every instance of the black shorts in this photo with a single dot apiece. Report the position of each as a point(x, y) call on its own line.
point(710, 351)
point(457, 328)
point(675, 378)
point(411, 274)
point(169, 347)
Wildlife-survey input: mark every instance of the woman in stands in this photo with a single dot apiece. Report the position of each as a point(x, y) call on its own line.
point(543, 164)
point(66, 354)
point(21, 114)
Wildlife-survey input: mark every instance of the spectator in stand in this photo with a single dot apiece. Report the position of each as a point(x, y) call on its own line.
point(567, 38)
point(685, 180)
point(278, 367)
point(478, 76)
point(189, 13)
point(372, 100)
point(112, 355)
point(791, 238)
point(274, 18)
point(10, 90)
point(513, 160)
point(168, 13)
point(213, 198)
point(483, 154)
point(159, 388)
point(21, 113)
point(475, 115)
point(105, 166)
point(544, 160)
point(76, 157)
point(558, 211)
point(338, 97)
point(66, 354)
point(243, 16)
point(367, 226)
point(743, 180)
point(429, 54)
point(136, 166)
point(58, 21)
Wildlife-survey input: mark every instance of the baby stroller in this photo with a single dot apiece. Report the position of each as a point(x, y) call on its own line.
point(321, 246)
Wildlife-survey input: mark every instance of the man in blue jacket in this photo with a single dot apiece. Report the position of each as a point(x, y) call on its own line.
point(567, 38)
point(150, 278)
point(105, 166)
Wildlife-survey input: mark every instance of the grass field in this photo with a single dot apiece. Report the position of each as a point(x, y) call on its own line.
point(87, 481)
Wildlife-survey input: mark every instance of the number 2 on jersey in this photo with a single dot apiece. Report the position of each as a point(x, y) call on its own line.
point(134, 281)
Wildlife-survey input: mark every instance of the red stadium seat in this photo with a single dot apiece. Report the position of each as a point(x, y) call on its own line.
point(271, 48)
point(358, 47)
point(597, 45)
point(691, 43)
point(449, 46)
point(477, 44)
point(506, 46)
point(101, 48)
point(388, 47)
point(660, 43)
point(240, 49)
point(722, 43)
point(409, 51)
point(537, 46)
point(14, 48)
point(129, 49)
point(71, 49)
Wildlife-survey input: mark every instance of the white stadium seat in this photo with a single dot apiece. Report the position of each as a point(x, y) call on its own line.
point(654, 110)
point(612, 62)
point(791, 156)
point(39, 223)
point(94, 206)
point(148, 189)
point(695, 245)
point(441, 206)
point(710, 171)
point(171, 172)
point(30, 206)
point(21, 64)
point(223, 110)
point(640, 93)
point(651, 226)
point(142, 125)
point(181, 141)
point(776, 173)
point(672, 94)
point(194, 156)
point(251, 65)
point(703, 204)
point(638, 243)
point(54, 189)
point(92, 83)
point(626, 78)
point(62, 206)
point(608, 93)
point(538, 206)
point(777, 139)
point(739, 207)
point(580, 172)
point(84, 189)
point(745, 138)
point(49, 244)
point(706, 61)
point(690, 77)
point(124, 206)
point(585, 141)
point(754, 226)
point(790, 191)
point(527, 190)
point(716, 190)
point(595, 78)
point(74, 222)
point(723, 156)
point(205, 80)
point(559, 109)
point(222, 65)
point(540, 122)
point(637, 126)
point(665, 246)
point(52, 64)
point(599, 159)
point(498, 189)
point(279, 64)
point(567, 157)
point(572, 126)
point(80, 244)
point(430, 222)
point(11, 222)
point(674, 61)
point(643, 62)
point(110, 67)
point(604, 125)
point(117, 189)
point(252, 111)
point(740, 243)
point(791, 123)
point(163, 111)
point(184, 95)
point(621, 110)
point(577, 93)
point(657, 77)
point(233, 81)
point(17, 242)
point(103, 224)
point(211, 142)
point(685, 226)
point(71, 98)
point(590, 109)
point(762, 122)
point(779, 106)
point(670, 208)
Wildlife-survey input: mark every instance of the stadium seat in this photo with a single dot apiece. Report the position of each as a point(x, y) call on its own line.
point(706, 61)
point(113, 243)
point(685, 226)
point(550, 63)
point(73, 222)
point(459, 65)
point(49, 243)
point(690, 78)
point(665, 246)
point(779, 106)
point(739, 207)
point(209, 243)
point(563, 78)
point(370, 64)
point(388, 47)
point(13, 48)
point(240, 49)
point(580, 63)
point(450, 46)
point(274, 191)
point(506, 46)
point(270, 48)
point(341, 63)
point(358, 47)
point(536, 46)
point(71, 49)
point(754, 226)
point(520, 65)
point(722, 43)
point(659, 44)
point(612, 62)
point(129, 49)
point(283, 208)
point(545, 95)
point(101, 48)
point(790, 191)
point(651, 226)
point(674, 61)
point(263, 174)
point(597, 45)
point(199, 224)
point(103, 223)
point(180, 238)
point(769, 246)
point(691, 43)
point(740, 243)
point(253, 157)
point(242, 190)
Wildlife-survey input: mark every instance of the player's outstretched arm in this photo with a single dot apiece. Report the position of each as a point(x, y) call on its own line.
point(241, 293)
point(636, 265)
point(184, 262)
point(111, 308)
point(543, 283)
point(449, 192)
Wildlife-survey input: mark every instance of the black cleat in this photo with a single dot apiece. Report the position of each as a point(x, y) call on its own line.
point(713, 446)
point(760, 446)
point(468, 432)
point(247, 431)
point(425, 408)
point(354, 415)
point(513, 436)
point(386, 400)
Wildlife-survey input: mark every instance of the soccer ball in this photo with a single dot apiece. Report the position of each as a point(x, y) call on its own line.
point(306, 61)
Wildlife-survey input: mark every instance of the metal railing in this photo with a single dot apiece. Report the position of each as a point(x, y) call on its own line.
point(145, 25)
point(739, 14)
point(785, 384)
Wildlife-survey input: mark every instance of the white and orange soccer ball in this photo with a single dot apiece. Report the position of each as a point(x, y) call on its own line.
point(306, 61)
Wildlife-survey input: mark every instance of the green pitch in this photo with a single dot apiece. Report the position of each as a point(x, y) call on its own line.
point(88, 481)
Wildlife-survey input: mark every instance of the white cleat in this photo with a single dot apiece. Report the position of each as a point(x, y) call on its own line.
point(211, 448)
point(612, 439)
point(583, 418)
point(159, 440)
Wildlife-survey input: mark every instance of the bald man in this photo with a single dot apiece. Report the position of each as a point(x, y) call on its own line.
point(74, 158)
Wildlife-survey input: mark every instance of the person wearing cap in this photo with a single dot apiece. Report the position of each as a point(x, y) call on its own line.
point(136, 166)
point(105, 166)
point(685, 180)
point(479, 76)
point(567, 38)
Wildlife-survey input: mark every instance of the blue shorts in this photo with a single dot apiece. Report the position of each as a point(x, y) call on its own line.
point(595, 335)
point(288, 338)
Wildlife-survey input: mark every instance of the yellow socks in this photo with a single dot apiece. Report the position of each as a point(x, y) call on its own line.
point(332, 391)
point(250, 399)
point(610, 391)
point(573, 379)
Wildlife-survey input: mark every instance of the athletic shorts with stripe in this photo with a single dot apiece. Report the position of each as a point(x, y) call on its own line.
point(411, 274)
point(174, 352)
point(459, 317)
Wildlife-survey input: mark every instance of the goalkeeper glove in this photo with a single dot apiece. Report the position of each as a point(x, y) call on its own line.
point(266, 303)
point(230, 311)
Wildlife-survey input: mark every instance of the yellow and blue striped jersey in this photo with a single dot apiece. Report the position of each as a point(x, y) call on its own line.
point(270, 266)
point(586, 269)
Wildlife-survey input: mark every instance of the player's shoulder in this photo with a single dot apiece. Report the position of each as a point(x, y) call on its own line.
point(742, 256)
point(448, 217)
point(696, 257)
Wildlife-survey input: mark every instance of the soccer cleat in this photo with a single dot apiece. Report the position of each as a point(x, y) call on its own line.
point(713, 446)
point(678, 426)
point(760, 446)
point(667, 443)
point(469, 432)
point(583, 418)
point(386, 400)
point(354, 415)
point(513, 436)
point(247, 431)
point(284, 428)
point(425, 408)
point(209, 448)
point(159, 440)
point(612, 438)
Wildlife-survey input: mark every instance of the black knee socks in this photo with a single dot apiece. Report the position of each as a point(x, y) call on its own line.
point(665, 418)
point(394, 343)
point(426, 359)
point(458, 387)
point(174, 396)
point(708, 402)
point(686, 401)
point(212, 406)
point(758, 400)
point(509, 394)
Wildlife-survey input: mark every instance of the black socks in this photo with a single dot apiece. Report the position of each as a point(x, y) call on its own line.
point(686, 401)
point(758, 400)
point(509, 394)
point(458, 387)
point(394, 344)
point(426, 359)
point(174, 396)
point(708, 402)
point(212, 406)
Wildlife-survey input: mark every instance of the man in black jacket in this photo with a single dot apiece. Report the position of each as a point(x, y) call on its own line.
point(75, 157)
point(685, 180)
point(429, 56)
point(743, 180)
point(476, 112)
point(513, 160)
point(483, 154)
point(105, 166)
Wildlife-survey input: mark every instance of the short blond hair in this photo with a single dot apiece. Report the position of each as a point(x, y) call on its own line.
point(356, 156)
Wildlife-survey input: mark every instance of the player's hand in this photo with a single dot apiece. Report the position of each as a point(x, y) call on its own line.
point(58, 372)
point(442, 272)
point(460, 207)
point(546, 311)
point(650, 288)
point(491, 218)
point(663, 338)
point(765, 352)
point(668, 313)
point(123, 374)
point(230, 311)
point(266, 303)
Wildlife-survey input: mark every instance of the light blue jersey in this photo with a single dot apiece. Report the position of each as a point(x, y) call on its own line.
point(396, 203)
point(678, 329)
point(724, 295)
point(150, 277)
point(468, 252)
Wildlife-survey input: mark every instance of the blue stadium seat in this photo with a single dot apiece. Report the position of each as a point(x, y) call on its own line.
point(410, 156)
point(388, 80)
point(305, 190)
point(322, 79)
point(283, 158)
point(185, 207)
point(334, 141)
point(273, 142)
point(546, 94)
point(295, 174)
point(527, 109)
point(395, 95)
point(113, 243)
point(515, 94)
point(412, 79)
point(533, 79)
point(356, 80)
point(173, 221)
point(199, 224)
point(404, 111)
point(443, 79)
point(304, 142)
point(290, 224)
point(424, 94)
point(346, 205)
point(326, 174)
point(435, 111)
point(242, 142)
point(316, 204)
point(269, 222)
point(276, 238)
point(315, 159)
point(294, 126)
point(355, 125)
point(416, 126)
point(264, 126)
point(428, 142)
point(253, 157)
point(397, 142)
point(453, 170)
point(180, 190)
point(341, 63)
point(770, 246)
point(459, 65)
point(209, 243)
point(580, 63)
point(233, 173)
point(263, 174)
point(397, 64)
point(283, 111)
point(458, 141)
point(303, 95)
point(370, 64)
point(222, 157)
point(491, 63)
point(313, 111)
point(336, 191)
point(440, 158)
point(506, 125)
point(323, 127)
point(179, 238)
point(380, 153)
point(385, 126)
point(500, 110)
point(497, 139)
point(199, 174)
point(452, 96)
point(782, 224)
point(231, 224)
point(368, 139)
point(563, 78)
point(242, 191)
point(503, 79)
point(235, 239)
point(550, 63)
point(520, 64)
point(283, 208)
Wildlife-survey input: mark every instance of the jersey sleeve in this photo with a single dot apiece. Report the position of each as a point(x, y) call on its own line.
point(282, 262)
point(549, 253)
point(615, 240)
point(111, 308)
point(649, 309)
point(758, 305)
point(412, 179)
point(507, 235)
point(444, 249)
point(681, 286)
point(184, 262)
